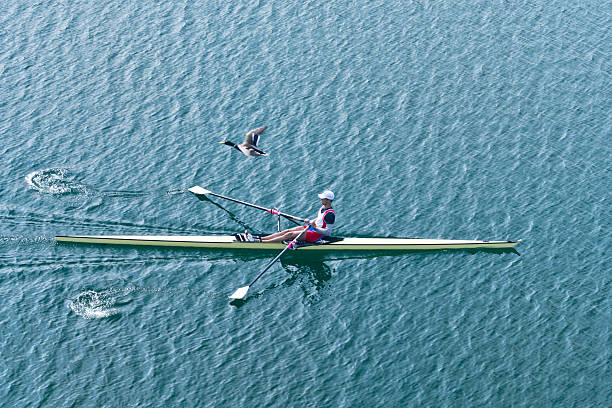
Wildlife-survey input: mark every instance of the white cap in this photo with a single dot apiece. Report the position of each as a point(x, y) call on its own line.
point(327, 194)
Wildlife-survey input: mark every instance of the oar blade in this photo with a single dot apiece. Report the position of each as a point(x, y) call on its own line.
point(199, 192)
point(240, 293)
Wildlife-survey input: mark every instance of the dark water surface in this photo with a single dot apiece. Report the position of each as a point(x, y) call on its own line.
point(466, 120)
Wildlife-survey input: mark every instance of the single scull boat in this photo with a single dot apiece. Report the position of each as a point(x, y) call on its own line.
point(331, 244)
point(327, 244)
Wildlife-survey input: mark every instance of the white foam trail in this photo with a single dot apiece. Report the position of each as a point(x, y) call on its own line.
point(53, 181)
point(93, 305)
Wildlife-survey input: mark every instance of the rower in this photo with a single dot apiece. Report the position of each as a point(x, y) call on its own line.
point(317, 229)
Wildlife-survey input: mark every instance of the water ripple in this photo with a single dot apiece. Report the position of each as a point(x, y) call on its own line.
point(428, 119)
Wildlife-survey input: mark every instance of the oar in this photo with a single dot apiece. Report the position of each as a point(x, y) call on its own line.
point(240, 293)
point(202, 192)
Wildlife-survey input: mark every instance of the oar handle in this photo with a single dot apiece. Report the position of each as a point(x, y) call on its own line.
point(291, 218)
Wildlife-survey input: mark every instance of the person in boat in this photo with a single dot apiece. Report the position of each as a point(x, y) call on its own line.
point(317, 229)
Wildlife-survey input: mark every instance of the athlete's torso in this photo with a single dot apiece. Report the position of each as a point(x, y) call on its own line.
point(326, 219)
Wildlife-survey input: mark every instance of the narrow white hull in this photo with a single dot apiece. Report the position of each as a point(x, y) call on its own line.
point(343, 244)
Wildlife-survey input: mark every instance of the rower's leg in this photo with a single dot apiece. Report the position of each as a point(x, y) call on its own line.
point(276, 235)
point(273, 236)
point(287, 235)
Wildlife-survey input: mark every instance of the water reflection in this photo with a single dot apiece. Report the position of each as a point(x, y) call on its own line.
point(312, 272)
point(313, 275)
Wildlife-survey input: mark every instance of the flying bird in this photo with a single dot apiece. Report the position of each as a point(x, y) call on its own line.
point(249, 146)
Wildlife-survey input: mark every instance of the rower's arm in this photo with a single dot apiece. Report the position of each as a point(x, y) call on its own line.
point(324, 231)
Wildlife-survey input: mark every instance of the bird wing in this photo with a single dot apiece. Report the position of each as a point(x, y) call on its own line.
point(252, 137)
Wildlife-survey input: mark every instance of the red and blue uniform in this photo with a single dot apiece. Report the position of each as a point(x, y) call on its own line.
point(324, 224)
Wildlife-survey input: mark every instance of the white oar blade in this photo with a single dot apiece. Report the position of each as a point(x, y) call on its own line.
point(197, 190)
point(240, 293)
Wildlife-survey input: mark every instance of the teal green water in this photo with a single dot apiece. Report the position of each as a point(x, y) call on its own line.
point(465, 120)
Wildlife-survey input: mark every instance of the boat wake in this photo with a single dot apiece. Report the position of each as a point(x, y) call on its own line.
point(15, 218)
point(95, 305)
point(111, 303)
point(55, 181)
point(60, 181)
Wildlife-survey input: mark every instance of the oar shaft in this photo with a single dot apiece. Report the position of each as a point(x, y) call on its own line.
point(291, 244)
point(239, 202)
point(268, 210)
